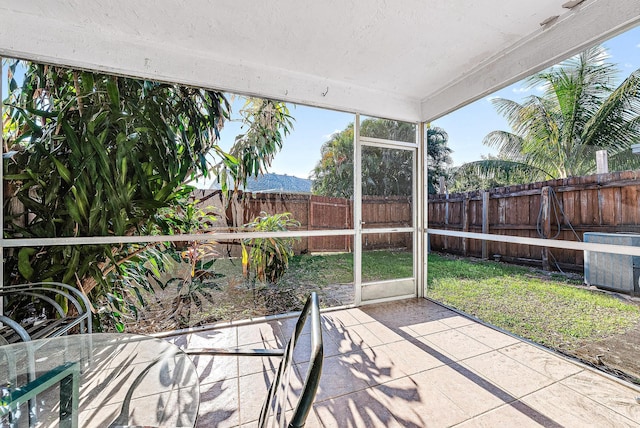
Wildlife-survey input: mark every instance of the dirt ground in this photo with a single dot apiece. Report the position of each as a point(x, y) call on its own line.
point(166, 311)
point(618, 355)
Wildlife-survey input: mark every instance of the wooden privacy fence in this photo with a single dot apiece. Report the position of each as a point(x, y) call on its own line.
point(327, 213)
point(316, 213)
point(555, 209)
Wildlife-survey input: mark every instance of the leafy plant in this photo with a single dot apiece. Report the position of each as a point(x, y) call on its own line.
point(268, 258)
point(96, 155)
point(267, 122)
point(155, 267)
point(99, 155)
point(490, 172)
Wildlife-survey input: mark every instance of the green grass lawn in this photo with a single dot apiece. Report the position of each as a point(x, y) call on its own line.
point(552, 310)
point(328, 269)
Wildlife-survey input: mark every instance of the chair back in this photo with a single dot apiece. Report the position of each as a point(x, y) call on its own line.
point(274, 409)
point(48, 297)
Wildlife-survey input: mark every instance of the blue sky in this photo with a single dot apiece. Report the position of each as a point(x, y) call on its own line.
point(466, 127)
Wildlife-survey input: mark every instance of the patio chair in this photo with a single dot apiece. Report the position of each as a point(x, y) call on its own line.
point(274, 407)
point(48, 317)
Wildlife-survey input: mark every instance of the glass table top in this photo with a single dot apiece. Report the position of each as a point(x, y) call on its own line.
point(124, 380)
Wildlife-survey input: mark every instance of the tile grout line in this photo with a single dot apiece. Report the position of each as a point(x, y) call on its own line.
point(592, 399)
point(554, 382)
point(238, 392)
point(501, 350)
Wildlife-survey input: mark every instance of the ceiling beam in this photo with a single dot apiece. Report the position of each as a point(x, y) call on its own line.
point(75, 42)
point(80, 46)
point(589, 23)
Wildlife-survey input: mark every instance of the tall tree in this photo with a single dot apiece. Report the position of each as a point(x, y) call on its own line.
point(385, 172)
point(267, 123)
point(438, 155)
point(333, 174)
point(580, 112)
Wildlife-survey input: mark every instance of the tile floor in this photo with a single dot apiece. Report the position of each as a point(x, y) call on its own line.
point(412, 364)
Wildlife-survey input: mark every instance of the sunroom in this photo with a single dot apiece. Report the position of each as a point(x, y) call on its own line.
point(410, 64)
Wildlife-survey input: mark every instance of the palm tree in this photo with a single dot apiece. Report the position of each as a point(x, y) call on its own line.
point(580, 112)
point(439, 156)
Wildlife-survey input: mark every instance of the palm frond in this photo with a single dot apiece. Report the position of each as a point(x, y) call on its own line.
point(624, 161)
point(615, 122)
point(506, 170)
point(509, 145)
point(580, 112)
point(509, 109)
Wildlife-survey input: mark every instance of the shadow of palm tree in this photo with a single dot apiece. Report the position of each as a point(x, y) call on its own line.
point(365, 381)
point(352, 368)
point(218, 389)
point(362, 382)
point(400, 315)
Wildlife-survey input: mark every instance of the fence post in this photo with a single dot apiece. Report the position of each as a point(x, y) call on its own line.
point(445, 242)
point(485, 222)
point(465, 222)
point(545, 207)
point(441, 185)
point(602, 162)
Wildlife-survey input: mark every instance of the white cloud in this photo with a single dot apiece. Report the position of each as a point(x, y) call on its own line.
point(328, 136)
point(520, 90)
point(628, 65)
point(638, 45)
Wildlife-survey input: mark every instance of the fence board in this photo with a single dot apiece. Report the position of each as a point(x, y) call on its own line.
point(599, 203)
point(330, 213)
point(604, 203)
point(630, 205)
point(315, 213)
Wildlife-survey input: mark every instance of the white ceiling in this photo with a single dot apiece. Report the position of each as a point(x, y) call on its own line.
point(410, 59)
